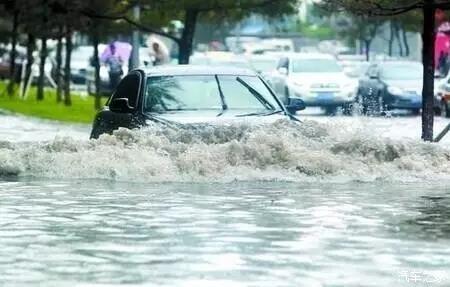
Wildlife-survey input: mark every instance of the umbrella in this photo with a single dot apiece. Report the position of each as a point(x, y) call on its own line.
point(123, 50)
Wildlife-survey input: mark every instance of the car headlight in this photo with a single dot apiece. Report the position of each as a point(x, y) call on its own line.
point(395, 91)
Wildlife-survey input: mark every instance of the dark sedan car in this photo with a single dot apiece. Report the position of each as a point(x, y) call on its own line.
point(391, 85)
point(191, 95)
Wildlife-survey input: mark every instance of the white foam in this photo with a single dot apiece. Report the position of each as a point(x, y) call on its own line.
point(284, 151)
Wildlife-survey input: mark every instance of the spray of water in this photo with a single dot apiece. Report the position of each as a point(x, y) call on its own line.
point(284, 151)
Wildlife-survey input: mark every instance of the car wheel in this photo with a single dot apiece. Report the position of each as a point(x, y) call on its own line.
point(347, 109)
point(330, 111)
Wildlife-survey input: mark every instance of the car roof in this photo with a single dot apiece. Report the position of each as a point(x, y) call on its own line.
point(179, 70)
point(398, 63)
point(310, 56)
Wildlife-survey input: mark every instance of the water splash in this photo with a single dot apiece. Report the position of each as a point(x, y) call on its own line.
point(284, 151)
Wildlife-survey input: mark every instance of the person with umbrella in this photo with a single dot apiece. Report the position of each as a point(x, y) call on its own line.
point(114, 63)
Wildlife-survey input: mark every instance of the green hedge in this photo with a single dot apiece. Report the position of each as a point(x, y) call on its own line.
point(81, 111)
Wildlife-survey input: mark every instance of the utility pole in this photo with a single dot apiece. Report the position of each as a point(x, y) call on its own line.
point(135, 39)
point(429, 37)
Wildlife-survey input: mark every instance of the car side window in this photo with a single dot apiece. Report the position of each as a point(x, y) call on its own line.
point(129, 88)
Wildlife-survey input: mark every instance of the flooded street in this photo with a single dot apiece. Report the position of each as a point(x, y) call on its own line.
point(242, 234)
point(323, 204)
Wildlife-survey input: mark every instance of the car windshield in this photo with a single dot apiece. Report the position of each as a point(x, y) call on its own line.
point(402, 72)
point(208, 92)
point(315, 66)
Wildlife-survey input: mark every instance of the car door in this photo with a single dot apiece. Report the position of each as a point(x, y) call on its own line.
point(118, 114)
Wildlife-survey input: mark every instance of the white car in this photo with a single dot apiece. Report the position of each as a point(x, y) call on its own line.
point(219, 58)
point(315, 78)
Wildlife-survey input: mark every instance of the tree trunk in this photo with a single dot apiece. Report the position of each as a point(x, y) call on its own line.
point(187, 36)
point(428, 38)
point(367, 44)
point(405, 42)
point(397, 37)
point(41, 79)
point(13, 54)
point(31, 46)
point(67, 75)
point(58, 72)
point(361, 47)
point(96, 62)
point(391, 39)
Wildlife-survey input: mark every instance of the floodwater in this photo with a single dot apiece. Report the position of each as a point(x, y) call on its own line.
point(334, 202)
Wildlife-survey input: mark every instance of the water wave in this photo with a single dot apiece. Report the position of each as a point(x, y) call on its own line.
point(284, 151)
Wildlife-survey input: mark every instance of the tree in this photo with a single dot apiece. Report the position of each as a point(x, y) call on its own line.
point(12, 8)
point(390, 8)
point(364, 30)
point(189, 11)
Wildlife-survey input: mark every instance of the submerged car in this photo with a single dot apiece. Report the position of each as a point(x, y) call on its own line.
point(175, 95)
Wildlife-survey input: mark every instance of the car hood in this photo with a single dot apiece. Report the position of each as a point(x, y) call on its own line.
point(407, 85)
point(195, 117)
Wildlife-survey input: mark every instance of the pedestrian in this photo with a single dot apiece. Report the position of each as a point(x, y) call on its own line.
point(114, 63)
point(160, 55)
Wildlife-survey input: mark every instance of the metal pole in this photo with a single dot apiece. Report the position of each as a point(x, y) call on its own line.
point(442, 134)
point(135, 52)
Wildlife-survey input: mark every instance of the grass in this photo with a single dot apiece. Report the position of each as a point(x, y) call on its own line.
point(81, 111)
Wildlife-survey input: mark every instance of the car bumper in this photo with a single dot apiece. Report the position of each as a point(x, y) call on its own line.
point(326, 99)
point(406, 103)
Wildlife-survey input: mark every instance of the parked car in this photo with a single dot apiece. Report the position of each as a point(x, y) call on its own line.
point(80, 60)
point(175, 95)
point(391, 85)
point(315, 78)
point(442, 96)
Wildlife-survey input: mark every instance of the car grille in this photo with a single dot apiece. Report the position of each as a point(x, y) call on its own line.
point(325, 86)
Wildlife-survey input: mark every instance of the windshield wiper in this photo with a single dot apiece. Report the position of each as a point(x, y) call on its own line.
point(255, 93)
point(261, 114)
point(222, 97)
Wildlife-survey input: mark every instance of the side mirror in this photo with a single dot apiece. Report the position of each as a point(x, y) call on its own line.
point(120, 105)
point(295, 105)
point(283, 71)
